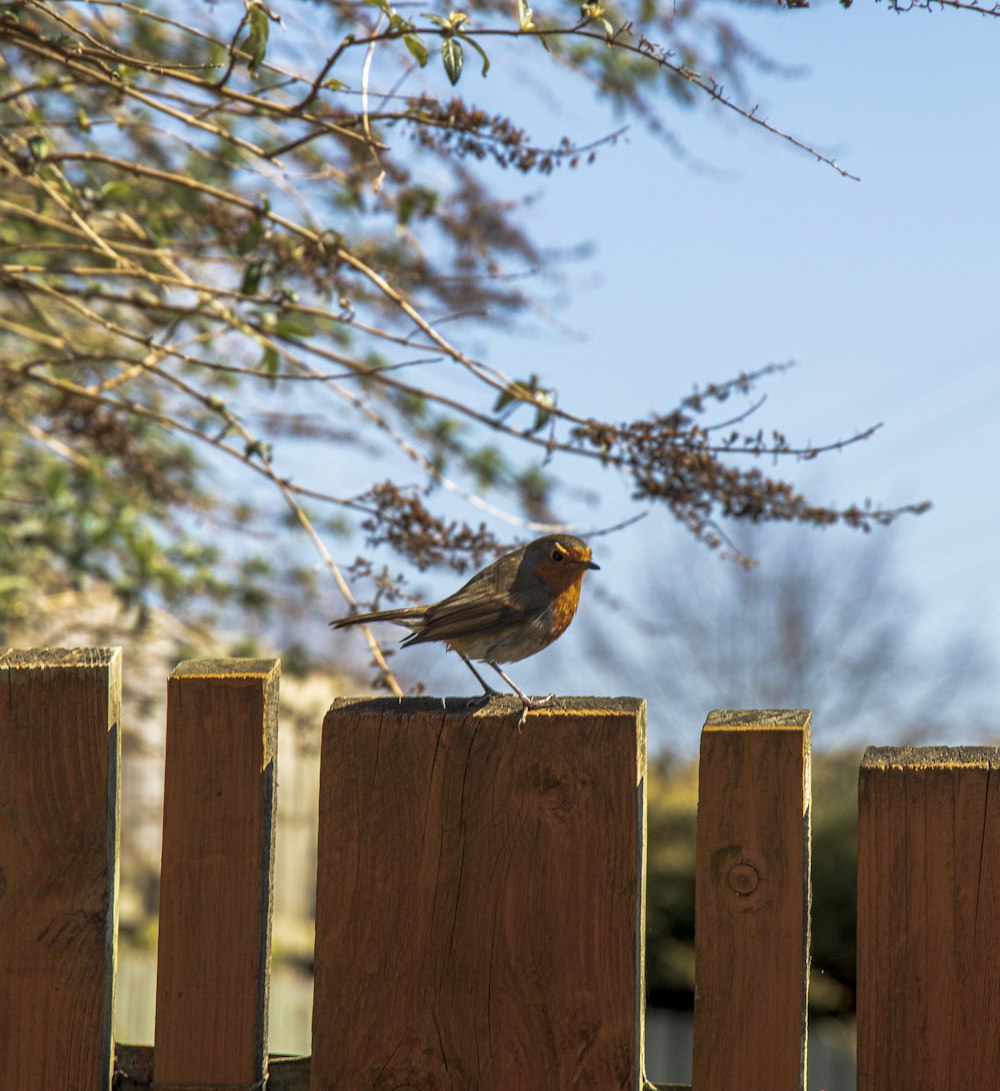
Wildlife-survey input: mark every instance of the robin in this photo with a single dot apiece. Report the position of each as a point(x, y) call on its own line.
point(511, 609)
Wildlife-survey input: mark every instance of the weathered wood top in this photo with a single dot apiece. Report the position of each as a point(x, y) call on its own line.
point(927, 757)
point(226, 668)
point(766, 719)
point(497, 705)
point(41, 658)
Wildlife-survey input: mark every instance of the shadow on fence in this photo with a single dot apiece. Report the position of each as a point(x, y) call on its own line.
point(479, 912)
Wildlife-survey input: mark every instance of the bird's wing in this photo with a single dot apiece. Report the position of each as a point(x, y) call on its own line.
point(475, 610)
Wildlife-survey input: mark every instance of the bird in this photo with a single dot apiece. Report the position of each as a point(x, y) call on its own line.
point(513, 608)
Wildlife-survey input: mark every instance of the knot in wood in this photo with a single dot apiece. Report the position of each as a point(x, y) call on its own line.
point(743, 878)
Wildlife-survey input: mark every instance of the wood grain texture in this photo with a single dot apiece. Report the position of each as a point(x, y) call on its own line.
point(134, 1071)
point(752, 901)
point(59, 787)
point(929, 919)
point(479, 908)
point(215, 887)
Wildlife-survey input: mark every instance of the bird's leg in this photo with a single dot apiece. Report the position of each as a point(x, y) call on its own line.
point(530, 702)
point(526, 701)
point(488, 690)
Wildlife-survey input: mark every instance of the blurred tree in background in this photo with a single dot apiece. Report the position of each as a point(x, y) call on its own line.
point(819, 623)
point(218, 239)
point(815, 625)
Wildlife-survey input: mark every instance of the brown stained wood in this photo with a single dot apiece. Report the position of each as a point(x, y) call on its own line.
point(134, 1071)
point(479, 907)
point(752, 902)
point(215, 887)
point(59, 784)
point(929, 919)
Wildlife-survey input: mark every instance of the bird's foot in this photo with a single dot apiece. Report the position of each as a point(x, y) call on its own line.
point(528, 703)
point(483, 698)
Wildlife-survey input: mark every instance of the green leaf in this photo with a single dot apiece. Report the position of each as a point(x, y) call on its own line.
point(451, 54)
point(271, 363)
point(249, 239)
point(505, 398)
point(542, 418)
point(251, 278)
point(113, 192)
point(527, 390)
point(412, 404)
point(257, 448)
point(524, 15)
point(595, 13)
point(479, 49)
point(544, 404)
point(417, 48)
point(38, 145)
point(296, 326)
point(520, 390)
point(488, 466)
point(255, 43)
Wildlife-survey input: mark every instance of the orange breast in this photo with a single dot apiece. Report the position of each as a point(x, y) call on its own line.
point(564, 604)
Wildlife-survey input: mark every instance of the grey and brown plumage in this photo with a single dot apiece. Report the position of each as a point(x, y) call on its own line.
point(510, 610)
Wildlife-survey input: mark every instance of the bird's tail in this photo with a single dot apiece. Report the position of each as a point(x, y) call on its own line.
point(405, 615)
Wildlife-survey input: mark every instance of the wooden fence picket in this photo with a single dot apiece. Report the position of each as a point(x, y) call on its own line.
point(479, 907)
point(59, 789)
point(480, 894)
point(215, 884)
point(929, 919)
point(752, 898)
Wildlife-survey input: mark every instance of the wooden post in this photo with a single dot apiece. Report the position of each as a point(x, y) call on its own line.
point(59, 789)
point(752, 902)
point(215, 886)
point(929, 919)
point(479, 909)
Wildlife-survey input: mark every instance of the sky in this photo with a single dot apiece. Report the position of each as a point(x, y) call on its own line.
point(883, 291)
point(747, 252)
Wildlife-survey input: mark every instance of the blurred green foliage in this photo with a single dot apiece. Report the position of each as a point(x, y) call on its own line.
point(217, 236)
point(672, 801)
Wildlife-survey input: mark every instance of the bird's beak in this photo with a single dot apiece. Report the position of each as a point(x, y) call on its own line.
point(590, 564)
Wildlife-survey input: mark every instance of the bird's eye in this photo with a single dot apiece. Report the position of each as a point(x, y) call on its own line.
point(557, 554)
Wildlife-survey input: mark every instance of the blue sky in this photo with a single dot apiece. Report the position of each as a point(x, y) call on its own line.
point(884, 291)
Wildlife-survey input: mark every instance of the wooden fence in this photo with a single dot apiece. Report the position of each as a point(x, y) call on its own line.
point(479, 918)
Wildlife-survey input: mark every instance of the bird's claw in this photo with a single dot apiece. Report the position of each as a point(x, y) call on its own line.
point(528, 703)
